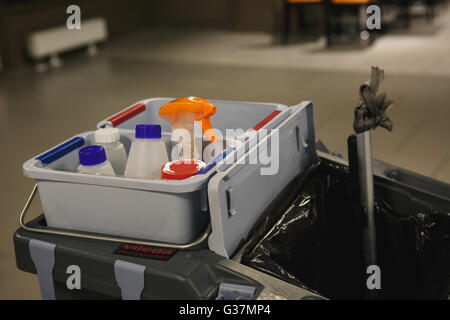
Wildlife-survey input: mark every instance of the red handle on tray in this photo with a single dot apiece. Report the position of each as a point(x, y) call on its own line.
point(127, 114)
point(266, 120)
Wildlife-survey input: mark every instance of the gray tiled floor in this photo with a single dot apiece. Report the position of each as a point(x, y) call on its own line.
point(39, 110)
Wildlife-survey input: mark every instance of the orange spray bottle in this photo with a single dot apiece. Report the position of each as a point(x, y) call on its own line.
point(182, 113)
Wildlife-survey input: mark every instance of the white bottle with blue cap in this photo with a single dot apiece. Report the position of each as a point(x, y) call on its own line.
point(93, 161)
point(147, 154)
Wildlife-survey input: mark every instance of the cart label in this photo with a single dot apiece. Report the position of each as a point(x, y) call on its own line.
point(133, 250)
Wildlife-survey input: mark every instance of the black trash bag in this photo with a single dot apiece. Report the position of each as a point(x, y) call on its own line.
point(316, 243)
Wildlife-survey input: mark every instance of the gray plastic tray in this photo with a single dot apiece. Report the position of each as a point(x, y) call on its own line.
point(171, 211)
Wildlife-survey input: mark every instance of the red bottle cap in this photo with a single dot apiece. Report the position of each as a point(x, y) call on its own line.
point(181, 169)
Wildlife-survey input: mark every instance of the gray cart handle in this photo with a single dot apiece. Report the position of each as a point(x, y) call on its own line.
point(78, 234)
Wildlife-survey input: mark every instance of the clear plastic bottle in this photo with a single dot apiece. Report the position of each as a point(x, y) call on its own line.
point(109, 138)
point(93, 161)
point(147, 153)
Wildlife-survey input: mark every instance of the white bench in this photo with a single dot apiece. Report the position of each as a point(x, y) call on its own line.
point(51, 42)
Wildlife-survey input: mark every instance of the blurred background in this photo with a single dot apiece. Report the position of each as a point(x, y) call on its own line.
point(56, 82)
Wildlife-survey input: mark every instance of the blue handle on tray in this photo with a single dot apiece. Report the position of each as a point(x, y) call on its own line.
point(216, 160)
point(61, 150)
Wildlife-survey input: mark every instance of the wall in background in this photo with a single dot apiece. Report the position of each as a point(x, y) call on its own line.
point(242, 15)
point(17, 19)
point(20, 17)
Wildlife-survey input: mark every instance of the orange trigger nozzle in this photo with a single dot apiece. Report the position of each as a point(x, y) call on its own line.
point(202, 108)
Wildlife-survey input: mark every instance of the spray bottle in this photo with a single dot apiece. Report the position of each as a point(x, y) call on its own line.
point(182, 113)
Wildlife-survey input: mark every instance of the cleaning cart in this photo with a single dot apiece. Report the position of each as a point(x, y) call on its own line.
point(196, 238)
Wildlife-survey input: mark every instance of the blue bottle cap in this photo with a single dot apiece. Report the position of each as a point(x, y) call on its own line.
point(148, 131)
point(92, 155)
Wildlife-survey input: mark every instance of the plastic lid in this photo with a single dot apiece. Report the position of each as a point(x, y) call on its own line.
point(148, 131)
point(92, 155)
point(181, 169)
point(107, 135)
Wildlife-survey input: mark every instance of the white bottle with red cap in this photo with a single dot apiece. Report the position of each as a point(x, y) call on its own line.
point(147, 153)
point(109, 138)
